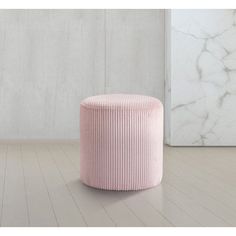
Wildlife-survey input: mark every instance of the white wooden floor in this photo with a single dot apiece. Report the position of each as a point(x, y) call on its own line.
point(39, 186)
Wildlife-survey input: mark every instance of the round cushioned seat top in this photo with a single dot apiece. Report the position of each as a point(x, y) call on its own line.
point(122, 101)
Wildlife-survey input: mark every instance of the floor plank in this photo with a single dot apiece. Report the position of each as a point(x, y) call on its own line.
point(176, 215)
point(222, 192)
point(150, 216)
point(41, 211)
point(15, 206)
point(66, 209)
point(93, 211)
point(3, 162)
point(40, 186)
point(202, 215)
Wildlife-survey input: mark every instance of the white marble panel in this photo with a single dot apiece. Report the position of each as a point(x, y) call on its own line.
point(202, 75)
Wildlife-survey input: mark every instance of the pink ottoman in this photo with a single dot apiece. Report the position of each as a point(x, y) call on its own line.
point(121, 141)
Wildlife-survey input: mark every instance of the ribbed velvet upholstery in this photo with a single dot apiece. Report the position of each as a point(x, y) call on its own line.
point(121, 141)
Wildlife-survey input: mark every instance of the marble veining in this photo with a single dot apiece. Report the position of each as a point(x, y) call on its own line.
point(202, 77)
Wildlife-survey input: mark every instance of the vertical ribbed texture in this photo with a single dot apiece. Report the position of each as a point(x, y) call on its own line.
point(121, 142)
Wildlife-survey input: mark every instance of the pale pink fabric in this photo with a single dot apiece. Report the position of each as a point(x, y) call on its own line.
point(121, 141)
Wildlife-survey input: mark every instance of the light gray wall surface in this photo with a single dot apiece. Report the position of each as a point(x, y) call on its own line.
point(135, 51)
point(51, 59)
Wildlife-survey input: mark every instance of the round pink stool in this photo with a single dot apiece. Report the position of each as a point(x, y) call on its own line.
point(121, 141)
